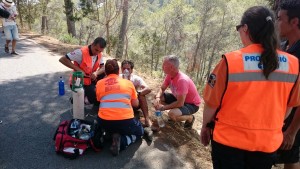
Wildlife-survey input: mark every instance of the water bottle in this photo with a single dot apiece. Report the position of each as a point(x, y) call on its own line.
point(61, 87)
point(126, 74)
point(160, 120)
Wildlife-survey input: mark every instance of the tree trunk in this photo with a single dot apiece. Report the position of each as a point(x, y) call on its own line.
point(20, 13)
point(108, 39)
point(70, 17)
point(80, 37)
point(44, 24)
point(44, 27)
point(122, 34)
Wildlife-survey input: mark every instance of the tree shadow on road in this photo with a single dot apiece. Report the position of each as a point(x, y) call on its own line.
point(31, 110)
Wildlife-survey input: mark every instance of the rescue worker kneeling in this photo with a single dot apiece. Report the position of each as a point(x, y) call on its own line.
point(117, 96)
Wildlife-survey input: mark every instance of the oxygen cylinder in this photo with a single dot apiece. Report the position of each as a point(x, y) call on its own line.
point(78, 96)
point(78, 103)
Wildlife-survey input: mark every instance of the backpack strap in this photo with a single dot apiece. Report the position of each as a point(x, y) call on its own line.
point(94, 147)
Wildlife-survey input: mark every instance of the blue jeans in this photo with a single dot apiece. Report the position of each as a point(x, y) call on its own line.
point(11, 32)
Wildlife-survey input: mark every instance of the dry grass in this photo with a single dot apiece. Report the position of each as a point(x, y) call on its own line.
point(50, 43)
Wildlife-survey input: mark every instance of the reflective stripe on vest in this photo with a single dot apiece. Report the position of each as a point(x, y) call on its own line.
point(114, 105)
point(109, 97)
point(258, 76)
point(253, 108)
point(115, 97)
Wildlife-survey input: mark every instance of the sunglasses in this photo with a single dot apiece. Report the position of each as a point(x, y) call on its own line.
point(238, 27)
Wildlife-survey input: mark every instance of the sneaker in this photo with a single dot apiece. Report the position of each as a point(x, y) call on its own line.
point(14, 53)
point(115, 146)
point(189, 125)
point(148, 133)
point(6, 49)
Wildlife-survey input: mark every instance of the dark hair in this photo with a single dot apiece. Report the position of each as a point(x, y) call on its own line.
point(100, 41)
point(293, 9)
point(111, 67)
point(261, 26)
point(127, 62)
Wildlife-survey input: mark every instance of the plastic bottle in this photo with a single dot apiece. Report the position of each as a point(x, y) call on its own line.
point(61, 87)
point(160, 120)
point(126, 74)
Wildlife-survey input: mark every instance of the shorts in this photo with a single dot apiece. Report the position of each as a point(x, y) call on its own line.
point(288, 156)
point(232, 158)
point(11, 32)
point(186, 109)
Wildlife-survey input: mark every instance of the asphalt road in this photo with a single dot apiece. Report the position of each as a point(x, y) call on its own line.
point(31, 110)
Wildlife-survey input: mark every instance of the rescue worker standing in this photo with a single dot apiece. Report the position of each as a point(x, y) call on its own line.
point(117, 96)
point(248, 95)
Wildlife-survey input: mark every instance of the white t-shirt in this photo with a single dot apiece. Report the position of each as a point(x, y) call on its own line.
point(76, 55)
point(137, 81)
point(13, 11)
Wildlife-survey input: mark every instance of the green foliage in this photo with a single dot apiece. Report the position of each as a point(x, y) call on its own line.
point(113, 40)
point(198, 31)
point(67, 38)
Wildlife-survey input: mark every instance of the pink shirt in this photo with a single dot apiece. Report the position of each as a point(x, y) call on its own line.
point(183, 85)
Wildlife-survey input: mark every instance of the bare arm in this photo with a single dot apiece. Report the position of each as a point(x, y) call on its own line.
point(134, 102)
point(100, 70)
point(291, 132)
point(144, 90)
point(65, 61)
point(288, 112)
point(161, 91)
point(97, 73)
point(208, 115)
point(159, 96)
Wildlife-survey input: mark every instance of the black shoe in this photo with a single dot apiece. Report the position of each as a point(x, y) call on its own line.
point(115, 146)
point(189, 125)
point(14, 53)
point(148, 133)
point(6, 49)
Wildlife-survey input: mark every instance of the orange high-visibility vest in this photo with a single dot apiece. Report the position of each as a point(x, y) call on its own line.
point(86, 65)
point(253, 108)
point(115, 95)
